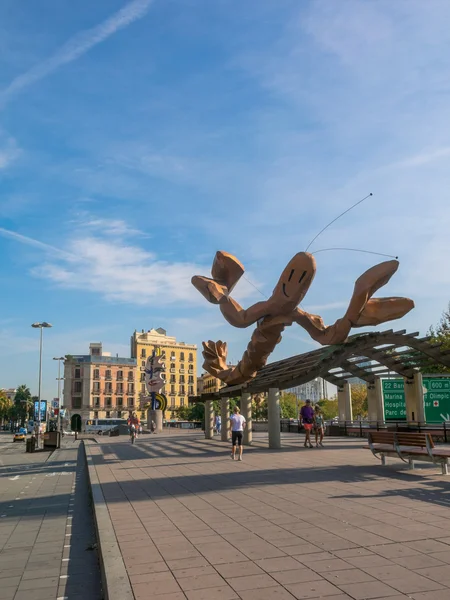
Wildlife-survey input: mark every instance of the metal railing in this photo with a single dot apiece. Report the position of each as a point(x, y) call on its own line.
point(439, 431)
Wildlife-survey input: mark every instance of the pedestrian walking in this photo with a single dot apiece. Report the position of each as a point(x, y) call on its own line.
point(307, 417)
point(318, 426)
point(218, 424)
point(153, 427)
point(237, 432)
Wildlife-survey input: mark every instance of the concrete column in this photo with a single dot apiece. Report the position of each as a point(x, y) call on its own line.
point(209, 420)
point(225, 417)
point(375, 401)
point(157, 417)
point(414, 399)
point(345, 402)
point(273, 406)
point(246, 412)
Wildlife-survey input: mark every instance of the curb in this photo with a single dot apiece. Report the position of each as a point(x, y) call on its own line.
point(115, 582)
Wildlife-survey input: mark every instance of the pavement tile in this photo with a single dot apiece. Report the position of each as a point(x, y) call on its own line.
point(313, 589)
point(443, 594)
point(347, 576)
point(368, 590)
point(223, 592)
point(272, 593)
point(250, 582)
point(272, 565)
point(415, 583)
point(238, 569)
point(296, 576)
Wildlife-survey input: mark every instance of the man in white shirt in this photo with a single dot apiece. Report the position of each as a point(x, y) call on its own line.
point(237, 431)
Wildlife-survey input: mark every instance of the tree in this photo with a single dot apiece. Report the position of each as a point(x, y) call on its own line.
point(23, 403)
point(183, 413)
point(329, 408)
point(288, 406)
point(6, 406)
point(440, 334)
point(359, 401)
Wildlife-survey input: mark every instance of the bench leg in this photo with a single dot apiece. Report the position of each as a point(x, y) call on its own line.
point(411, 463)
point(383, 460)
point(444, 466)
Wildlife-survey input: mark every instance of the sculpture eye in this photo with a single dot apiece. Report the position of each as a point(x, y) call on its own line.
point(303, 275)
point(290, 276)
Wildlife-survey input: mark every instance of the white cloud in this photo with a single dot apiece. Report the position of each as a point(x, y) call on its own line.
point(107, 227)
point(9, 151)
point(77, 46)
point(117, 270)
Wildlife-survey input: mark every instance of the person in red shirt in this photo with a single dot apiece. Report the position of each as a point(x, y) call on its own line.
point(133, 423)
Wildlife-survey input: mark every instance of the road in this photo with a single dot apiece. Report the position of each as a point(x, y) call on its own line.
point(47, 542)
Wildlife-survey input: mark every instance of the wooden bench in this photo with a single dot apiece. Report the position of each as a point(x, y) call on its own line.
point(409, 447)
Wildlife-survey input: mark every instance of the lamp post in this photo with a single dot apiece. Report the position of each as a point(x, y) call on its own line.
point(58, 420)
point(40, 326)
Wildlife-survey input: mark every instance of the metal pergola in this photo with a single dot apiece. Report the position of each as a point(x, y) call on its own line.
point(365, 356)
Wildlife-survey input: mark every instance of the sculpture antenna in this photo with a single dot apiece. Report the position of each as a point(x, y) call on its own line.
point(338, 217)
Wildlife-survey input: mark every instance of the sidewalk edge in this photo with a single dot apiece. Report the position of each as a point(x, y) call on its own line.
point(116, 584)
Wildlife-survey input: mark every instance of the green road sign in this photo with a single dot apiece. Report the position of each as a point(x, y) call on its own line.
point(437, 399)
point(436, 396)
point(394, 400)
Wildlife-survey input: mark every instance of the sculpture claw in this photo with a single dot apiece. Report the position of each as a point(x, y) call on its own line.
point(380, 310)
point(213, 291)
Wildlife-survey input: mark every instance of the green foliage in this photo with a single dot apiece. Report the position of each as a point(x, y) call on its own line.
point(329, 408)
point(359, 401)
point(440, 335)
point(183, 413)
point(23, 404)
point(6, 406)
point(288, 406)
point(197, 412)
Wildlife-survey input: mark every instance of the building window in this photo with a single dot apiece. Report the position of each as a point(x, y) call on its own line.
point(77, 374)
point(143, 363)
point(76, 402)
point(130, 376)
point(191, 357)
point(142, 376)
point(119, 388)
point(130, 401)
point(182, 379)
point(172, 402)
point(173, 357)
point(108, 414)
point(95, 414)
point(172, 389)
point(96, 373)
point(77, 387)
point(191, 390)
point(190, 379)
point(119, 375)
point(96, 402)
point(181, 401)
point(131, 388)
point(143, 388)
point(181, 356)
point(108, 402)
point(107, 374)
point(119, 401)
point(96, 388)
point(108, 388)
point(119, 414)
point(173, 379)
point(143, 353)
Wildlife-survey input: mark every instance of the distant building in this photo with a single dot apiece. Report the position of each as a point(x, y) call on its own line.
point(314, 390)
point(180, 360)
point(98, 385)
point(10, 393)
point(208, 384)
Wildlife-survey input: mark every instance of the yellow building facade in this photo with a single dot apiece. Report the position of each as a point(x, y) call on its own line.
point(180, 361)
point(206, 384)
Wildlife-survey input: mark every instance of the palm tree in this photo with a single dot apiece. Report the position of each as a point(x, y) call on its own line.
point(23, 403)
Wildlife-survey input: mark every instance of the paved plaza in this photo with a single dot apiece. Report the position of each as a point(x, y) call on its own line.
point(283, 524)
point(47, 536)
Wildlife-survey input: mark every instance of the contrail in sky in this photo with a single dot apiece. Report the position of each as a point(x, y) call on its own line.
point(78, 45)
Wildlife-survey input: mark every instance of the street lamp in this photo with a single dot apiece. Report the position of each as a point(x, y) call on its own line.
point(40, 326)
point(58, 420)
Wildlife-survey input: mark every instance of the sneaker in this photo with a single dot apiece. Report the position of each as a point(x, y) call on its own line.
point(240, 458)
point(232, 456)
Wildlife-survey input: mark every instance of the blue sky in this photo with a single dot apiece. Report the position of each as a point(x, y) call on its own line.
point(138, 138)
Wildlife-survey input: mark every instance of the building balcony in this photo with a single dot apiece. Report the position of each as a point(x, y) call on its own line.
point(173, 370)
point(181, 370)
